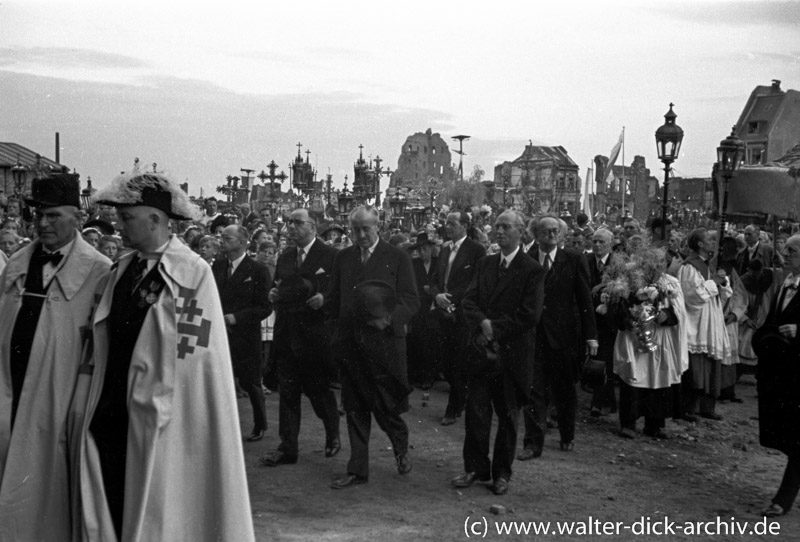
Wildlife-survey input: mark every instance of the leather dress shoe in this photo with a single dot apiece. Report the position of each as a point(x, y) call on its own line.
point(500, 486)
point(691, 418)
point(656, 434)
point(466, 479)
point(529, 453)
point(348, 480)
point(404, 464)
point(448, 420)
point(332, 447)
point(255, 436)
point(277, 458)
point(566, 446)
point(711, 416)
point(773, 511)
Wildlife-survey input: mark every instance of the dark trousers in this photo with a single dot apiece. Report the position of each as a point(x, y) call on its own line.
point(605, 396)
point(292, 384)
point(654, 405)
point(359, 425)
point(423, 349)
point(790, 485)
point(555, 369)
point(249, 374)
point(453, 338)
point(487, 392)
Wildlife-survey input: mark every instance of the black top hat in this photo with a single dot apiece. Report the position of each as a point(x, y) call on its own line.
point(151, 194)
point(294, 290)
point(770, 345)
point(373, 299)
point(55, 190)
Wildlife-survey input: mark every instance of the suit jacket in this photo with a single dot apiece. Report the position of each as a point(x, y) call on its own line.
point(763, 252)
point(384, 380)
point(568, 316)
point(461, 272)
point(513, 303)
point(606, 333)
point(779, 383)
point(425, 278)
point(302, 332)
point(246, 297)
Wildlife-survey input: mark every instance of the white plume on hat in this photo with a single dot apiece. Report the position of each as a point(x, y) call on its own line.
point(126, 189)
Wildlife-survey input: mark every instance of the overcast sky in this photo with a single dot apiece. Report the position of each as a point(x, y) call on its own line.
point(205, 89)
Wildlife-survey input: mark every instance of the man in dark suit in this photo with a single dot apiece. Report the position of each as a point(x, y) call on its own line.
point(502, 308)
point(604, 396)
point(755, 250)
point(457, 264)
point(302, 342)
point(567, 322)
point(424, 333)
point(372, 384)
point(778, 348)
point(243, 289)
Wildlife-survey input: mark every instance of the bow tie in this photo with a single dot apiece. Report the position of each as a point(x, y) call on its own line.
point(53, 258)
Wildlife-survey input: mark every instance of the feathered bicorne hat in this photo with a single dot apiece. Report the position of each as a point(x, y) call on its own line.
point(152, 189)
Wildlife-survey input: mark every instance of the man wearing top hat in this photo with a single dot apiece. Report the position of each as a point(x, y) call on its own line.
point(160, 456)
point(46, 292)
point(301, 340)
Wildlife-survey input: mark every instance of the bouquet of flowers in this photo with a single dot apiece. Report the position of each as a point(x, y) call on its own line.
point(633, 293)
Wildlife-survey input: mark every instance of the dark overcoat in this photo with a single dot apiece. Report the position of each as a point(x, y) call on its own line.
point(373, 364)
point(779, 379)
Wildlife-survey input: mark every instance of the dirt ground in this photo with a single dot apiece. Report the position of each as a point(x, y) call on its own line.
point(704, 471)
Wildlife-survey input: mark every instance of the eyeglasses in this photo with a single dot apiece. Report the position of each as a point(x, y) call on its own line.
point(551, 230)
point(298, 221)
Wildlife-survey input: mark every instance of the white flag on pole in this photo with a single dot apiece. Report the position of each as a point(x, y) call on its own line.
point(613, 155)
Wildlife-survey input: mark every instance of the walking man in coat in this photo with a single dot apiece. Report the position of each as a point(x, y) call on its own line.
point(456, 267)
point(243, 288)
point(778, 348)
point(566, 333)
point(302, 342)
point(47, 293)
point(502, 307)
point(374, 372)
point(161, 456)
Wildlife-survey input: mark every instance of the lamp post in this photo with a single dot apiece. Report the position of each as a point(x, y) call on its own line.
point(397, 203)
point(19, 174)
point(345, 201)
point(668, 143)
point(730, 155)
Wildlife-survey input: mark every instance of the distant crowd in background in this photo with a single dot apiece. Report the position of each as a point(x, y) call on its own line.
point(512, 311)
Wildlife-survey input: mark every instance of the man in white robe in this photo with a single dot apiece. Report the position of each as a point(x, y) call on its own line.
point(160, 451)
point(47, 293)
point(704, 293)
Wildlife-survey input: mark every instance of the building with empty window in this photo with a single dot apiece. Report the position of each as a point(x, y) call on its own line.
point(424, 155)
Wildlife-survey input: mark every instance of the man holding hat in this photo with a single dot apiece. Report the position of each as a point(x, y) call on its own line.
point(374, 379)
point(160, 456)
point(47, 293)
point(302, 342)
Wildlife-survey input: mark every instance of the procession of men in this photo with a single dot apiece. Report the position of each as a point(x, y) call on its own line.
point(118, 380)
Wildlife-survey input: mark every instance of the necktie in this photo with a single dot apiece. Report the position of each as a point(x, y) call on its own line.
point(600, 266)
point(548, 263)
point(450, 261)
point(139, 269)
point(364, 255)
point(300, 257)
point(230, 269)
point(503, 264)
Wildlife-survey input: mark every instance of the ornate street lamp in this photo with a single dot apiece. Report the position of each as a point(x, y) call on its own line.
point(86, 194)
point(19, 173)
point(398, 203)
point(730, 156)
point(668, 143)
point(346, 202)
